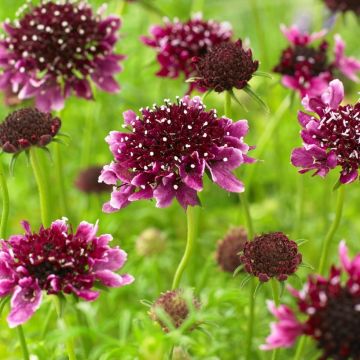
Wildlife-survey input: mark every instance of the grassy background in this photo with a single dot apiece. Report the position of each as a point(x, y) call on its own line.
point(119, 325)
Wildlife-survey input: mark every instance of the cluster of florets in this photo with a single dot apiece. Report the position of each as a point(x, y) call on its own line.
point(306, 68)
point(330, 313)
point(167, 151)
point(54, 49)
point(271, 255)
point(331, 136)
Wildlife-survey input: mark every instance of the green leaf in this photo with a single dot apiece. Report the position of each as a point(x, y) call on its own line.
point(256, 97)
point(305, 265)
point(146, 303)
point(60, 304)
point(245, 280)
point(206, 94)
point(300, 242)
point(297, 277)
point(3, 303)
point(238, 269)
point(337, 185)
point(12, 163)
point(258, 286)
point(282, 288)
point(263, 74)
point(233, 96)
point(48, 153)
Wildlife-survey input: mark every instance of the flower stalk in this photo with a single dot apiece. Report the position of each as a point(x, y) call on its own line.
point(23, 344)
point(5, 202)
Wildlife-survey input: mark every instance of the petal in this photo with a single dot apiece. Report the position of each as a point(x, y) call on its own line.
point(222, 176)
point(187, 196)
point(334, 94)
point(106, 83)
point(111, 279)
point(86, 231)
point(113, 259)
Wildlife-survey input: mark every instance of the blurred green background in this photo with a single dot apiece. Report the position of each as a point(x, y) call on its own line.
point(119, 325)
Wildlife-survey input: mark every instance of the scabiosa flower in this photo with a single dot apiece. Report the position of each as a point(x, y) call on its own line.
point(176, 43)
point(27, 127)
point(151, 242)
point(87, 181)
point(306, 68)
point(331, 137)
point(225, 66)
point(54, 49)
point(175, 305)
point(330, 311)
point(271, 255)
point(229, 248)
point(167, 151)
point(343, 6)
point(57, 261)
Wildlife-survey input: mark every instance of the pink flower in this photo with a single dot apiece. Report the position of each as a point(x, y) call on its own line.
point(285, 332)
point(176, 43)
point(168, 150)
point(306, 68)
point(57, 261)
point(330, 311)
point(331, 136)
point(54, 50)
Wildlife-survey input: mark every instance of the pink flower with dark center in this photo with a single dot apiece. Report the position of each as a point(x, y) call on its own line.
point(27, 127)
point(344, 5)
point(57, 261)
point(331, 137)
point(330, 311)
point(306, 68)
point(225, 67)
point(176, 44)
point(168, 149)
point(271, 255)
point(54, 50)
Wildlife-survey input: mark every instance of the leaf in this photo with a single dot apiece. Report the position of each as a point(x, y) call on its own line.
point(206, 95)
point(205, 331)
point(192, 79)
point(297, 277)
point(300, 242)
point(337, 185)
point(13, 162)
point(305, 265)
point(233, 96)
point(245, 280)
point(48, 153)
point(238, 269)
point(146, 303)
point(3, 303)
point(258, 286)
point(256, 97)
point(282, 288)
point(60, 304)
point(263, 74)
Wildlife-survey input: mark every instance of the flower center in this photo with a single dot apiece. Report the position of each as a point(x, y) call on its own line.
point(58, 38)
point(168, 133)
point(340, 132)
point(335, 326)
point(304, 61)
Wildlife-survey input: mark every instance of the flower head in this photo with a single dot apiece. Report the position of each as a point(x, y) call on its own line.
point(229, 248)
point(225, 66)
point(343, 6)
point(57, 261)
point(331, 137)
point(87, 181)
point(54, 49)
point(175, 306)
point(150, 242)
point(27, 127)
point(306, 68)
point(176, 43)
point(330, 311)
point(167, 151)
point(271, 255)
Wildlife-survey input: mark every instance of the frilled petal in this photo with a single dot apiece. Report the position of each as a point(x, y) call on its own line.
point(106, 82)
point(86, 231)
point(113, 259)
point(120, 198)
point(111, 279)
point(192, 171)
point(25, 300)
point(334, 94)
point(222, 176)
point(187, 196)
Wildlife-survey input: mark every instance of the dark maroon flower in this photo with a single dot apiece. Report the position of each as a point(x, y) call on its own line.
point(54, 49)
point(167, 151)
point(271, 255)
point(229, 248)
point(344, 5)
point(177, 43)
point(57, 261)
point(27, 127)
point(175, 306)
point(87, 181)
point(331, 137)
point(329, 310)
point(225, 66)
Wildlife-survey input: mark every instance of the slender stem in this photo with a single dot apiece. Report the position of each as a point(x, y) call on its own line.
point(197, 6)
point(59, 173)
point(300, 206)
point(23, 343)
point(300, 348)
point(330, 235)
point(276, 297)
point(5, 202)
point(42, 187)
point(227, 104)
point(191, 230)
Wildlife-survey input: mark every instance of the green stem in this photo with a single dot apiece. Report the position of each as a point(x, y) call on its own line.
point(5, 202)
point(300, 348)
point(276, 297)
point(42, 187)
point(300, 207)
point(227, 104)
point(23, 343)
point(330, 235)
point(61, 183)
point(191, 230)
point(122, 7)
point(197, 6)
